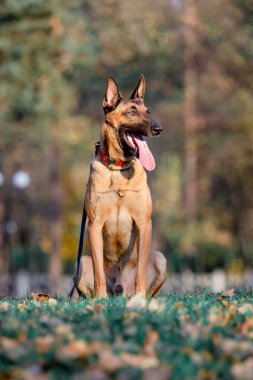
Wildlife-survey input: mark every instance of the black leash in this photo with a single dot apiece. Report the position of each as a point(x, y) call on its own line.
point(80, 246)
point(79, 254)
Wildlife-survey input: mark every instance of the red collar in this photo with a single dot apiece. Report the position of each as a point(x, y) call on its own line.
point(107, 160)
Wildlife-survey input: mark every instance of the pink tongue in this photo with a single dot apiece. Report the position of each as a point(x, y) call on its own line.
point(145, 156)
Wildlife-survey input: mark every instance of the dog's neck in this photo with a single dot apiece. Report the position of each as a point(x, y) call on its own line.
point(110, 145)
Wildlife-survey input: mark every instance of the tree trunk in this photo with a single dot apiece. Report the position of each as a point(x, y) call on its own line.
point(55, 266)
point(190, 111)
point(3, 248)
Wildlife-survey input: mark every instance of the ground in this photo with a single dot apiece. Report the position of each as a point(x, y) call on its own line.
point(192, 336)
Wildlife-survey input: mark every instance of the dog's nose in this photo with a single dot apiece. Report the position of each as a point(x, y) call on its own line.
point(118, 289)
point(156, 128)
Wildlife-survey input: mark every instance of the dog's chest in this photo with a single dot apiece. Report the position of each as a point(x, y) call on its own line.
point(116, 193)
point(120, 183)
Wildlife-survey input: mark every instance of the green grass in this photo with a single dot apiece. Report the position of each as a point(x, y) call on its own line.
point(191, 336)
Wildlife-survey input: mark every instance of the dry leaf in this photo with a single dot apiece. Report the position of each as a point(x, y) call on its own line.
point(43, 297)
point(108, 361)
point(8, 343)
point(4, 306)
point(138, 301)
point(234, 347)
point(179, 304)
point(246, 327)
point(96, 308)
point(141, 361)
point(22, 306)
point(80, 349)
point(216, 316)
point(74, 350)
point(228, 293)
point(156, 306)
point(224, 302)
point(206, 374)
point(243, 370)
point(90, 374)
point(130, 315)
point(150, 341)
point(12, 347)
point(160, 373)
point(44, 343)
point(245, 308)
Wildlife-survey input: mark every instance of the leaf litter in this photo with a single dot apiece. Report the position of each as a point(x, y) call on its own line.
point(191, 336)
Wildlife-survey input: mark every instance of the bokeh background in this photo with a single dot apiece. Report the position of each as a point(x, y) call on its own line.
point(197, 57)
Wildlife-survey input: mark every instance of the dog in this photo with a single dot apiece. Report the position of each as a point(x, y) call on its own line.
point(118, 202)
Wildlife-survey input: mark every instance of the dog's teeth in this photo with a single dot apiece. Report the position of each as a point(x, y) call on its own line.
point(130, 139)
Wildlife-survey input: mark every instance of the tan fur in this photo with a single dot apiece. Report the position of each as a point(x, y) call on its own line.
point(118, 205)
point(124, 274)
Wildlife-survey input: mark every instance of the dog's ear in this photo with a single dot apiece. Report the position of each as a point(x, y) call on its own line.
point(139, 91)
point(112, 94)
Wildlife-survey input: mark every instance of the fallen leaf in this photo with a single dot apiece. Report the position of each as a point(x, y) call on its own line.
point(108, 361)
point(243, 370)
point(12, 348)
point(179, 304)
point(206, 374)
point(156, 306)
point(80, 349)
point(44, 343)
point(141, 361)
point(245, 308)
point(4, 306)
point(130, 315)
point(74, 350)
point(228, 293)
point(7, 343)
point(219, 317)
point(43, 297)
point(246, 327)
point(22, 306)
point(224, 302)
point(138, 301)
point(149, 342)
point(161, 373)
point(96, 308)
point(90, 374)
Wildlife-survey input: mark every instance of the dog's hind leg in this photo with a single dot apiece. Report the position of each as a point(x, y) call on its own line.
point(156, 276)
point(157, 272)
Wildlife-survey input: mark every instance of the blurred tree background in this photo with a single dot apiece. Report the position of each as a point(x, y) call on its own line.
point(197, 57)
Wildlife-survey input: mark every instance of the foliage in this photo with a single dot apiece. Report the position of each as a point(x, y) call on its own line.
point(54, 60)
point(192, 336)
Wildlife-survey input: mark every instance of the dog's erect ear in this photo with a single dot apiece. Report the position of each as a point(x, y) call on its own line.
point(139, 91)
point(112, 94)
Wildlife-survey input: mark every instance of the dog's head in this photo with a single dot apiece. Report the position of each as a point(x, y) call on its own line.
point(131, 120)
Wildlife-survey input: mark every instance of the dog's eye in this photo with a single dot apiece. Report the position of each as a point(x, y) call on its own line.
point(132, 111)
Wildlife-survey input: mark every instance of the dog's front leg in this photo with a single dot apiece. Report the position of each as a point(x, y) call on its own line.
point(96, 246)
point(143, 246)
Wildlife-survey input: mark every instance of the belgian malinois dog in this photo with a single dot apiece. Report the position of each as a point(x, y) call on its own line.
point(118, 202)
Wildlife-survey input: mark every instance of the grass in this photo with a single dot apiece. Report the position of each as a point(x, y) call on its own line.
point(191, 336)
